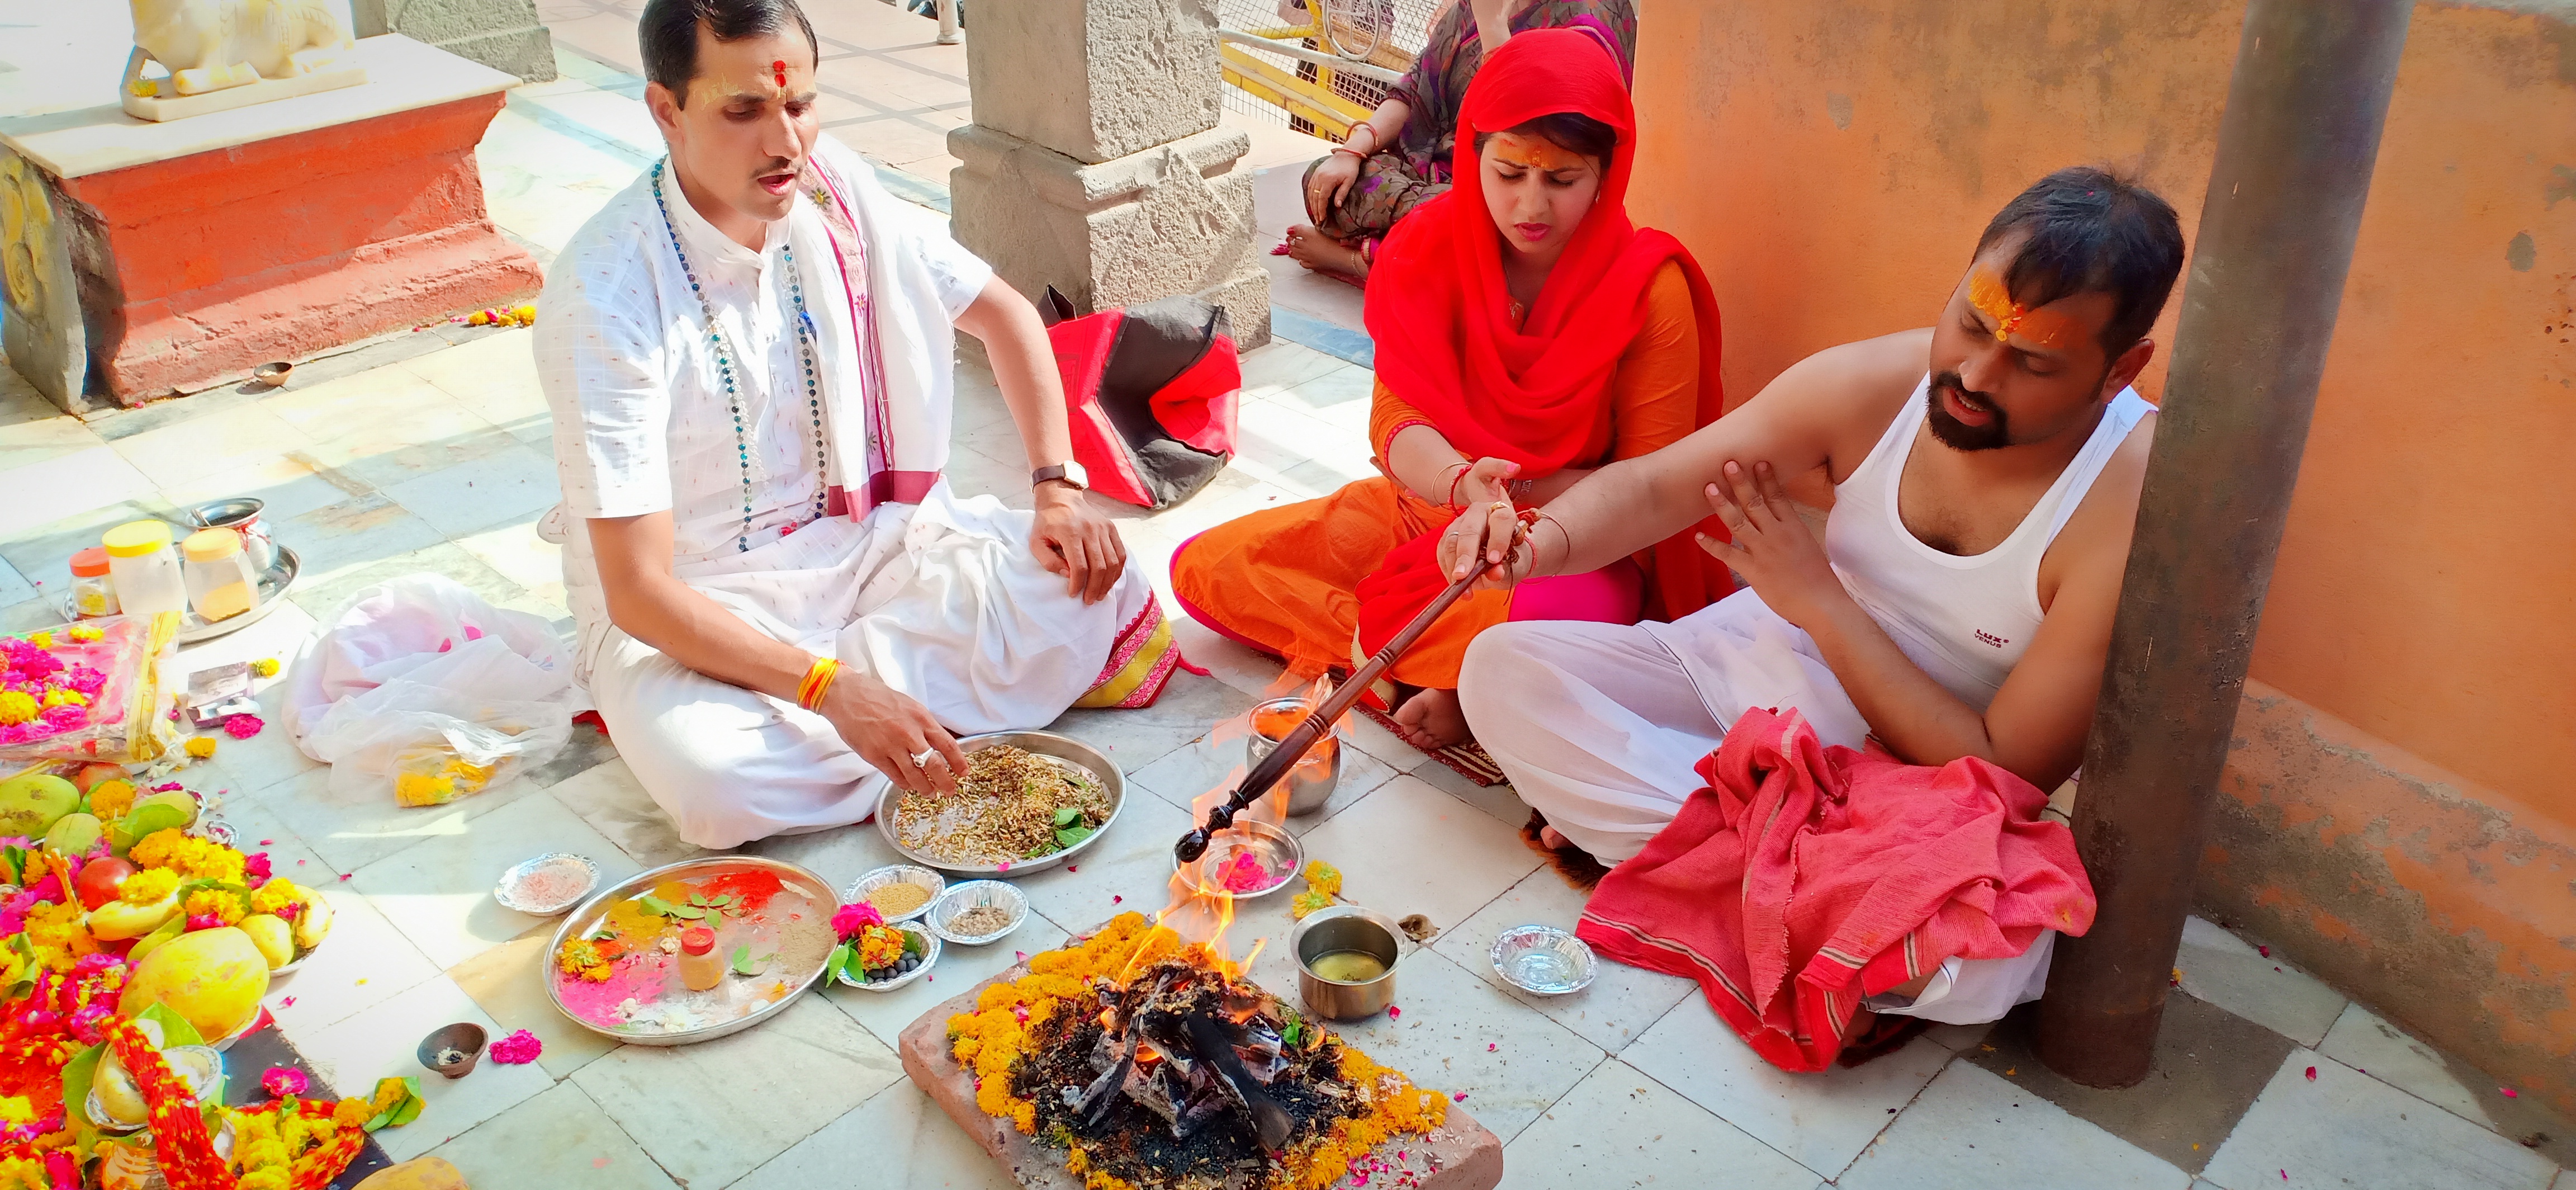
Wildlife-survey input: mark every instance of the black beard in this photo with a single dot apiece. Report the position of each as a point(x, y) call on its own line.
point(1959, 435)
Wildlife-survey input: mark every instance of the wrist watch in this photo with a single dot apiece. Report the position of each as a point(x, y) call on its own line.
point(1067, 472)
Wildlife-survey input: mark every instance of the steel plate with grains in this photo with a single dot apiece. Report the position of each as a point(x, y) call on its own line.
point(1010, 805)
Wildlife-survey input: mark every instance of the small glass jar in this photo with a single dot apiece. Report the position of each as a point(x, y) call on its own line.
point(220, 584)
point(701, 968)
point(93, 590)
point(144, 570)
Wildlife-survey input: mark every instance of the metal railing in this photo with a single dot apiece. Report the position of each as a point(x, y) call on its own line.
point(1327, 67)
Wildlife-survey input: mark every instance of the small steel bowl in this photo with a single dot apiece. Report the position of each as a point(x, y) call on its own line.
point(205, 1082)
point(1277, 850)
point(869, 882)
point(1544, 960)
point(271, 375)
point(929, 959)
point(973, 894)
point(512, 890)
point(1346, 927)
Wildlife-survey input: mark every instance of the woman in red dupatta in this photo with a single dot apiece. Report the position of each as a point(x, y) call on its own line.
point(1527, 333)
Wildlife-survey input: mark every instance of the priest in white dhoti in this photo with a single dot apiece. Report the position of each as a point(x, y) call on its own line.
point(783, 607)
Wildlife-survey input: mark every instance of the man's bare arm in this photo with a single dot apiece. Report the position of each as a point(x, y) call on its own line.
point(655, 607)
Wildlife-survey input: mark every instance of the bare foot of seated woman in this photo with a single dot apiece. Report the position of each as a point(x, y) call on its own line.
point(1315, 250)
point(1431, 719)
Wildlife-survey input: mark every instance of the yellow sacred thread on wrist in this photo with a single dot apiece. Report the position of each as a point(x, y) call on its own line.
point(818, 678)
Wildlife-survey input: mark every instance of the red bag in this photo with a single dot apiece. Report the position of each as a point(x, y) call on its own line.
point(1150, 392)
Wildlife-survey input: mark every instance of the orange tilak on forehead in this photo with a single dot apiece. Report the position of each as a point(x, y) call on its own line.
point(1535, 152)
point(2040, 328)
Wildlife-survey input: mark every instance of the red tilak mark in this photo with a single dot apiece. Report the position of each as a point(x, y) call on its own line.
point(780, 69)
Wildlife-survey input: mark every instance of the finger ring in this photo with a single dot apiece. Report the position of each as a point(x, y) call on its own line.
point(922, 761)
point(1502, 506)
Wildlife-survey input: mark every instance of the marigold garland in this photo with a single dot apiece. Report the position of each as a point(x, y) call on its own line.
point(991, 1039)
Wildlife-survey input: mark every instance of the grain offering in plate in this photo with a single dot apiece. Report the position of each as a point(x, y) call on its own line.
point(1012, 804)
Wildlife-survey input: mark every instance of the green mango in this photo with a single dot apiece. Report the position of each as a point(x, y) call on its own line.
point(74, 834)
point(168, 809)
point(32, 803)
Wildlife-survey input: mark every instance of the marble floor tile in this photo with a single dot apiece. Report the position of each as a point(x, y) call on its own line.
point(1408, 848)
point(1448, 1019)
point(1971, 1128)
point(509, 983)
point(352, 533)
point(588, 748)
point(1133, 862)
point(427, 440)
point(1216, 762)
point(383, 1042)
point(608, 797)
point(66, 485)
point(33, 429)
point(1498, 801)
point(732, 1090)
point(239, 437)
point(1133, 739)
point(245, 768)
point(509, 485)
point(1619, 1128)
point(438, 891)
point(279, 635)
point(2345, 1128)
point(334, 409)
point(1282, 365)
point(1822, 1121)
point(515, 552)
point(365, 960)
point(352, 828)
point(886, 1014)
point(289, 484)
point(1248, 670)
point(2364, 1041)
point(1622, 1002)
point(324, 596)
point(2231, 973)
point(897, 1130)
point(2208, 1066)
point(14, 587)
point(559, 1140)
point(494, 377)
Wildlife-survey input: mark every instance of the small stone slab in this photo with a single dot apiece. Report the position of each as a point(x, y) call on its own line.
point(1468, 1157)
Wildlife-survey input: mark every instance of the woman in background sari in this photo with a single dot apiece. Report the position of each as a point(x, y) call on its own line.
point(1526, 333)
point(1400, 157)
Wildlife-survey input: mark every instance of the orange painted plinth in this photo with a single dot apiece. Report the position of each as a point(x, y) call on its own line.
point(199, 268)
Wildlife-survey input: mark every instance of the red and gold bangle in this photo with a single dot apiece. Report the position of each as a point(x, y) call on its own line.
point(818, 678)
point(1463, 467)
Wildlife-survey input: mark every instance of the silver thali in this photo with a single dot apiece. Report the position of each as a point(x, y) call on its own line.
point(1043, 743)
point(583, 920)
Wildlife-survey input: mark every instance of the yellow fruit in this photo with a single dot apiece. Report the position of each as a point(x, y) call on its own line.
point(30, 803)
point(212, 978)
point(314, 924)
point(118, 1097)
point(116, 921)
point(274, 938)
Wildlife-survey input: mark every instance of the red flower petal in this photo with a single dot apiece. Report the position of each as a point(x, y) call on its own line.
point(2312, 1074)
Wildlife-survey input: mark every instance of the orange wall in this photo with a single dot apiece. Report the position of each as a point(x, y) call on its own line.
point(1832, 162)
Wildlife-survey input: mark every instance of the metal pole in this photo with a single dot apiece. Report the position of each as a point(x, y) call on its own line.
point(2295, 150)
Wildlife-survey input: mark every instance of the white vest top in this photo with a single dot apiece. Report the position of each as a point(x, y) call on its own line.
point(1964, 620)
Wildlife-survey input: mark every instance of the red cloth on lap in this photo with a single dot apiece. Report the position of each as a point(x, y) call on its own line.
point(1806, 877)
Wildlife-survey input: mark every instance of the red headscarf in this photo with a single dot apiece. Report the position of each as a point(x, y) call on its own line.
point(1539, 393)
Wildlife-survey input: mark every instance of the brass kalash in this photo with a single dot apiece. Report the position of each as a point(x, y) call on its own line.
point(1151, 1062)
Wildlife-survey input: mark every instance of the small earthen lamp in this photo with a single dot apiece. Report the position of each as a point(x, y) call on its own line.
point(271, 375)
point(452, 1050)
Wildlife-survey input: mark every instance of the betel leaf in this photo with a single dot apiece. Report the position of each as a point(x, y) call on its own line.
point(912, 943)
point(726, 899)
point(689, 912)
point(175, 1029)
point(1069, 836)
point(839, 960)
point(1067, 816)
point(656, 905)
point(742, 964)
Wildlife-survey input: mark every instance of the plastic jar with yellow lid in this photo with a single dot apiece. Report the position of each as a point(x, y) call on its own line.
point(146, 573)
point(220, 584)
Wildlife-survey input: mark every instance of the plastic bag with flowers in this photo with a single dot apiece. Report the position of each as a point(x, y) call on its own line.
point(87, 691)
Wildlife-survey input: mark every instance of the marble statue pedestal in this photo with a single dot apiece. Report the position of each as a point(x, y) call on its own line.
point(172, 257)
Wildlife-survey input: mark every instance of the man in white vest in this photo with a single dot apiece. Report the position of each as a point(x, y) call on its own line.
point(1986, 472)
point(783, 609)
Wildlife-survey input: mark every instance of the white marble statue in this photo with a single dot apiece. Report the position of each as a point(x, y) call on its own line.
point(210, 45)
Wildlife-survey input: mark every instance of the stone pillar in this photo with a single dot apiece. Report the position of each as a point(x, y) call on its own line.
point(1095, 163)
point(501, 34)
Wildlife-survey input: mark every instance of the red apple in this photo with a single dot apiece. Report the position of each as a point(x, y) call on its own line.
point(100, 880)
point(91, 774)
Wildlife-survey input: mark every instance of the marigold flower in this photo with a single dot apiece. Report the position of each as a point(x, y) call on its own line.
point(202, 747)
point(85, 633)
point(225, 908)
point(16, 707)
point(265, 667)
point(148, 885)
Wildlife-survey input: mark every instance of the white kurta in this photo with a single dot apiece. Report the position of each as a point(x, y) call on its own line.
point(942, 600)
